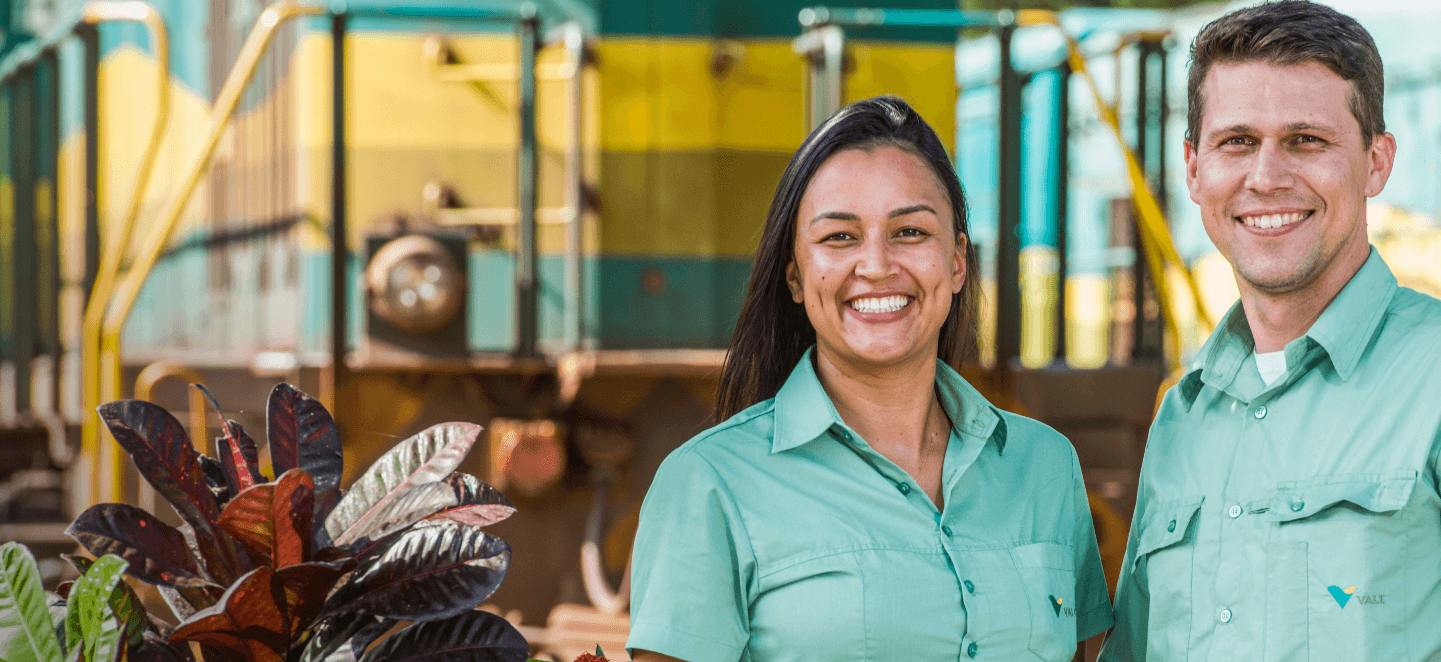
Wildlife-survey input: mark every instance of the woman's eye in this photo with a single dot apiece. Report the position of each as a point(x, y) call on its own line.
point(838, 236)
point(912, 232)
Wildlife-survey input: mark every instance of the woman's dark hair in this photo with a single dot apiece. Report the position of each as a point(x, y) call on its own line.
point(773, 331)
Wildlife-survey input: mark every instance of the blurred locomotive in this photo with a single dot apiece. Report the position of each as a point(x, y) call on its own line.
point(536, 216)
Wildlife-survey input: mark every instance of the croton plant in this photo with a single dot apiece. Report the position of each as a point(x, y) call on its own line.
point(286, 570)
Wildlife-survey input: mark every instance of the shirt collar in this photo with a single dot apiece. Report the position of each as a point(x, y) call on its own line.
point(804, 413)
point(1343, 330)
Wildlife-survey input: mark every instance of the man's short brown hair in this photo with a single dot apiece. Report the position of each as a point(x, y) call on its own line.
point(1291, 33)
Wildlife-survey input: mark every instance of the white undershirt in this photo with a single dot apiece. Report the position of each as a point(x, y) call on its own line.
point(1271, 365)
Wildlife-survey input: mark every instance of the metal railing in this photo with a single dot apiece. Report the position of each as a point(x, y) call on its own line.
point(109, 477)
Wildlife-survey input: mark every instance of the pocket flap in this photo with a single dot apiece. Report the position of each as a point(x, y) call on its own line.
point(1166, 524)
point(1378, 493)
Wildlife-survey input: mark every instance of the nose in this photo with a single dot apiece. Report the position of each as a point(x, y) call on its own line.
point(874, 260)
point(1270, 169)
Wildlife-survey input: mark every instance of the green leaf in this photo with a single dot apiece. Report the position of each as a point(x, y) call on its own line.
point(91, 625)
point(25, 626)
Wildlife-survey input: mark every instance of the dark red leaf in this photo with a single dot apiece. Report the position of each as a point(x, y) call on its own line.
point(215, 478)
point(63, 589)
point(428, 457)
point(474, 636)
point(164, 456)
point(427, 572)
point(344, 638)
point(306, 585)
point(303, 436)
point(236, 450)
point(157, 552)
point(247, 621)
point(273, 520)
point(155, 649)
point(242, 469)
point(478, 504)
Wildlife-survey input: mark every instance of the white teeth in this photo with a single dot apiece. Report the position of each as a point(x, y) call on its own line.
point(1274, 220)
point(888, 304)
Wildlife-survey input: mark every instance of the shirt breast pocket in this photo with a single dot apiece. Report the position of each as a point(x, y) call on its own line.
point(1165, 552)
point(1332, 564)
point(1048, 580)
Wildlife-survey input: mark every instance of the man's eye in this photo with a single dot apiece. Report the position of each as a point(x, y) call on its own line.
point(1236, 141)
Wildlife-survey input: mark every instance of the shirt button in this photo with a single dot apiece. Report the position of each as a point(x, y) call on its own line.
point(1296, 507)
point(1261, 412)
point(971, 649)
point(1171, 527)
point(946, 530)
point(970, 588)
point(1225, 615)
point(1234, 512)
point(904, 488)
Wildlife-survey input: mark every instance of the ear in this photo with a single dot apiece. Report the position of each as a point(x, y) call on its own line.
point(793, 281)
point(1191, 168)
point(1383, 156)
point(958, 265)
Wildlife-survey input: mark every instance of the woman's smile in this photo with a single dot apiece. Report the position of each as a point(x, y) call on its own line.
point(877, 259)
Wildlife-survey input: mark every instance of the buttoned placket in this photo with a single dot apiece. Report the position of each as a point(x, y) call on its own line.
point(961, 452)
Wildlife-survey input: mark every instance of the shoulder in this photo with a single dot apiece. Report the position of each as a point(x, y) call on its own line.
point(1414, 321)
point(736, 442)
point(1041, 445)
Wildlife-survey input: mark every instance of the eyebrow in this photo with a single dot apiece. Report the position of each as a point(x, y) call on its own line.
point(1290, 128)
point(895, 213)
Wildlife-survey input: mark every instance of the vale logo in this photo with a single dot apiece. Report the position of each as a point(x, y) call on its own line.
point(1056, 606)
point(1344, 595)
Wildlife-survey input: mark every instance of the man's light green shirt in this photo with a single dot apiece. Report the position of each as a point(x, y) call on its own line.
point(781, 535)
point(1300, 521)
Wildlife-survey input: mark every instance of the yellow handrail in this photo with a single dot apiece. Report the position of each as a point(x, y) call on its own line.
point(128, 289)
point(1157, 245)
point(119, 239)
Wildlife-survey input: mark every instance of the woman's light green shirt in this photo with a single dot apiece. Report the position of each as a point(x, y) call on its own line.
point(781, 535)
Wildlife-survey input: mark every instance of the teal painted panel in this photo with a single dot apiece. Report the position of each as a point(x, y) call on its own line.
point(491, 301)
point(695, 305)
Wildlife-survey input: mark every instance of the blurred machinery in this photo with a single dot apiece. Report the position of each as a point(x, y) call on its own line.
point(536, 216)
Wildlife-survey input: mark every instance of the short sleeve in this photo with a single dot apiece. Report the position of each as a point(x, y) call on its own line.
point(1092, 595)
point(692, 567)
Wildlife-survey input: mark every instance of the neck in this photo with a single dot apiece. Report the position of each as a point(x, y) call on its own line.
point(1278, 318)
point(891, 407)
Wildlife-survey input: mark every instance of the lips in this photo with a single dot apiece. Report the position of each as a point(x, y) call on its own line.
point(1272, 221)
point(881, 304)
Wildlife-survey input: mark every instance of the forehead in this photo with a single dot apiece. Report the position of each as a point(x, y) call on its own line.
point(1264, 96)
point(877, 177)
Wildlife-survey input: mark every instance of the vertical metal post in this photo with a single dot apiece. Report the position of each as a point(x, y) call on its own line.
point(574, 193)
point(1139, 278)
point(47, 200)
point(1147, 330)
point(1008, 240)
point(1062, 219)
point(22, 174)
point(90, 37)
point(339, 232)
point(526, 280)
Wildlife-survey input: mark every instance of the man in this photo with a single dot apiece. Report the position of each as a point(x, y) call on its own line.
point(1288, 506)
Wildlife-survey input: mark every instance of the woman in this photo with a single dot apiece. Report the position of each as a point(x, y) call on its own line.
point(861, 501)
